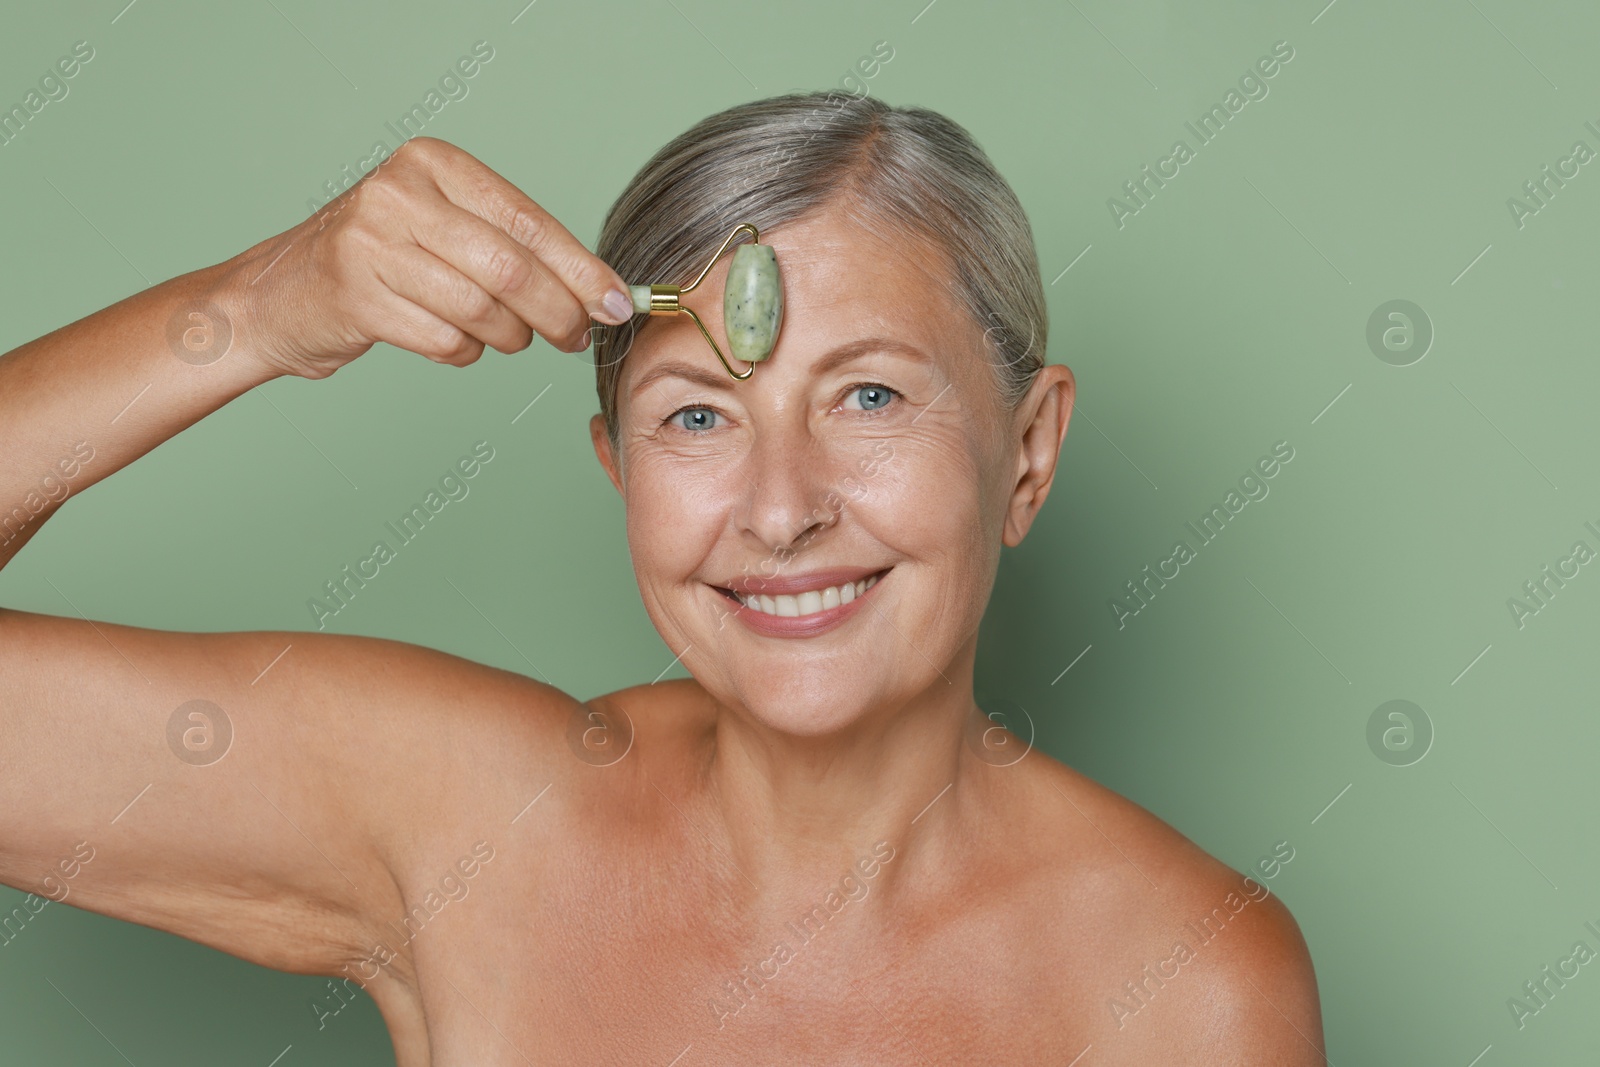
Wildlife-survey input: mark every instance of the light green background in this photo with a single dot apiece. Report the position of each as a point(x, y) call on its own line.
point(1222, 318)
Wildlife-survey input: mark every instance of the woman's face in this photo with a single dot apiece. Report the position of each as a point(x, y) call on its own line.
point(872, 442)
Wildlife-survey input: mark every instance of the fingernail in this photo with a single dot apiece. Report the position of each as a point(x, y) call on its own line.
point(618, 305)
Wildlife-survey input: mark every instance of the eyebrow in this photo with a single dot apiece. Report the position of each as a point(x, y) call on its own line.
point(845, 353)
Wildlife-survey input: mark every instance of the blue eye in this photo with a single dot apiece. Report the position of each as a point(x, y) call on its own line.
point(698, 418)
point(873, 396)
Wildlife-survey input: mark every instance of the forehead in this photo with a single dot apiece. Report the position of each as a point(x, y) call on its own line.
point(844, 278)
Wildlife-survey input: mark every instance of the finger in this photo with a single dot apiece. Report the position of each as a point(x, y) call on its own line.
point(406, 324)
point(429, 282)
point(472, 186)
point(504, 270)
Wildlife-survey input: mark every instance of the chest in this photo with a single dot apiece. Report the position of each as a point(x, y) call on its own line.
point(633, 959)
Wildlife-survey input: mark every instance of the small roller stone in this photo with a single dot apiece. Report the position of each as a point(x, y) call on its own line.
point(752, 303)
point(640, 295)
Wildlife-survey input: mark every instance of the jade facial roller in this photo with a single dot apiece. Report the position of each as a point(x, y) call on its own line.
point(752, 302)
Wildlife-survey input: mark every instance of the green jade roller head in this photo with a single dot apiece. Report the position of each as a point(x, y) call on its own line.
point(752, 301)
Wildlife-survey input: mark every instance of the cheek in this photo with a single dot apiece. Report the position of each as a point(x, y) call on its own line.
point(676, 508)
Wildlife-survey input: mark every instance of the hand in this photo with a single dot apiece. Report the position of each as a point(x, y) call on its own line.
point(432, 252)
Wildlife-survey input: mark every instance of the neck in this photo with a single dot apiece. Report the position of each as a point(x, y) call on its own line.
point(800, 809)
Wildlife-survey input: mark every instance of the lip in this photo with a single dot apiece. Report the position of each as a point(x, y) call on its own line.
point(803, 625)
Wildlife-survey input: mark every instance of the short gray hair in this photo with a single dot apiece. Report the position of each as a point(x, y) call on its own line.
point(777, 160)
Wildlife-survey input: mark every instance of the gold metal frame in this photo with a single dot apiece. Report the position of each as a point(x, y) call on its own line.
point(664, 299)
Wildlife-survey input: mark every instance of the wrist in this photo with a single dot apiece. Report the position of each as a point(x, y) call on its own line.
point(215, 322)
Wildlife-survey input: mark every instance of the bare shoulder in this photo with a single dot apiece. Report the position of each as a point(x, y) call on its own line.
point(1189, 958)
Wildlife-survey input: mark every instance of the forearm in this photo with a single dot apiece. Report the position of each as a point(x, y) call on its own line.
point(87, 399)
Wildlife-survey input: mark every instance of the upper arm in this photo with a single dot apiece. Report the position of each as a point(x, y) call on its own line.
point(257, 792)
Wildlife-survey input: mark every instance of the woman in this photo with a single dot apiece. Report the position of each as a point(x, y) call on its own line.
point(801, 854)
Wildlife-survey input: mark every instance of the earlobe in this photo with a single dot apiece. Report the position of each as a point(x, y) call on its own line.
point(603, 451)
point(1048, 408)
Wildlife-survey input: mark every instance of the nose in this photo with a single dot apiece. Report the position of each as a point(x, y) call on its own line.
point(787, 483)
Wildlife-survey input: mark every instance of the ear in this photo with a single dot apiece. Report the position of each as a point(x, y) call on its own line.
point(602, 449)
point(1045, 412)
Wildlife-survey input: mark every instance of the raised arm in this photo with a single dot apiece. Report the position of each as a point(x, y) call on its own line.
point(192, 782)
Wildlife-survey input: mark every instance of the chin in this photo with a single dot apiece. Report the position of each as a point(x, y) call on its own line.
point(808, 719)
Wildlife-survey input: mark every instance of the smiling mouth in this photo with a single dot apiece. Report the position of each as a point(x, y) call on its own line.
point(811, 602)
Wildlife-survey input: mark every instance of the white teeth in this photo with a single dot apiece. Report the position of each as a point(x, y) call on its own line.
point(810, 602)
